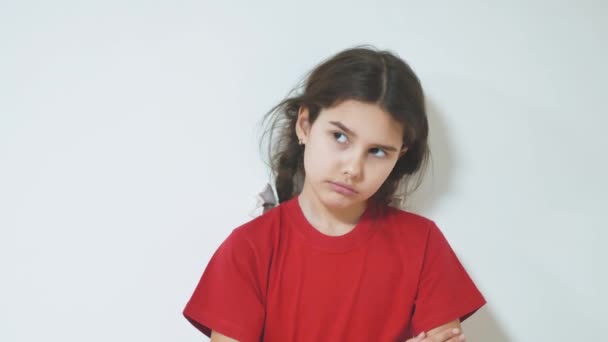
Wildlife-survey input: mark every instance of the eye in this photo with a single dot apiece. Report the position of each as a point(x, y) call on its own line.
point(378, 152)
point(340, 137)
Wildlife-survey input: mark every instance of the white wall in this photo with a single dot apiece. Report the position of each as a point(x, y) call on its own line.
point(128, 152)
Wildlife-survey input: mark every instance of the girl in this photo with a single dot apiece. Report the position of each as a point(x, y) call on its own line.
point(335, 260)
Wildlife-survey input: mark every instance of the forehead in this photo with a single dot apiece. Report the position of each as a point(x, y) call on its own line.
point(367, 120)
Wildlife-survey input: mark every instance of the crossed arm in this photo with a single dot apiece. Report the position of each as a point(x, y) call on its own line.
point(218, 337)
point(442, 333)
point(449, 332)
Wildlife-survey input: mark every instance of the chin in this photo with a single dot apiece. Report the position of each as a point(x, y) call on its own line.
point(338, 201)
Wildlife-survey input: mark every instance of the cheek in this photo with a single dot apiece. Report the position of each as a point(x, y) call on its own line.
point(379, 172)
point(318, 161)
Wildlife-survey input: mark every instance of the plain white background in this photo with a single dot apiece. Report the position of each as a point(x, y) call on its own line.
point(129, 151)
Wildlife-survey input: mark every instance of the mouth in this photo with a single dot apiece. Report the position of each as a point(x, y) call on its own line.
point(342, 188)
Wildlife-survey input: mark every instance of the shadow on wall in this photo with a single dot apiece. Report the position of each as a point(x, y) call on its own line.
point(482, 326)
point(437, 178)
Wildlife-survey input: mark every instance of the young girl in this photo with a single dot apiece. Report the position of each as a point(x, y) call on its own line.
point(335, 260)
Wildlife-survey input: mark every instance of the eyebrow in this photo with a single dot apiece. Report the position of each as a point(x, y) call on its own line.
point(349, 131)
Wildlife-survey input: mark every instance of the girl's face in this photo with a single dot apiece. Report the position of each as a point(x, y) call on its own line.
point(350, 150)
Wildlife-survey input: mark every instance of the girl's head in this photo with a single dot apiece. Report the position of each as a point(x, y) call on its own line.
point(358, 122)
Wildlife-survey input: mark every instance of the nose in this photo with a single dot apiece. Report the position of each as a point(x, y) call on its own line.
point(353, 166)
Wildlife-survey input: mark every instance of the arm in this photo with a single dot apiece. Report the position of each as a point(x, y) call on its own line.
point(445, 327)
point(218, 337)
point(442, 333)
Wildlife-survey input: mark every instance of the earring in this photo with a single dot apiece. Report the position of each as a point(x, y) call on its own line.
point(300, 142)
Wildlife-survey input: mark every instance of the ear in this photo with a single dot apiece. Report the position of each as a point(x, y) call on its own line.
point(403, 150)
point(303, 124)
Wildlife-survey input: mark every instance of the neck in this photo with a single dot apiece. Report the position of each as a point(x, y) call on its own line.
point(333, 221)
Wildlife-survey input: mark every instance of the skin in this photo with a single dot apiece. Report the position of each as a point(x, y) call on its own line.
point(219, 337)
point(449, 332)
point(344, 145)
point(356, 144)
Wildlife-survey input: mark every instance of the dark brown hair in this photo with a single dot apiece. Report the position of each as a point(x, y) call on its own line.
point(361, 73)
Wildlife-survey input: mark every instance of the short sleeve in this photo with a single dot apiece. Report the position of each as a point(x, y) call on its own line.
point(228, 297)
point(445, 291)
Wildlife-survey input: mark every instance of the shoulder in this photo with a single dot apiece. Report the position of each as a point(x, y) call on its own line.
point(412, 231)
point(406, 222)
point(260, 233)
point(259, 226)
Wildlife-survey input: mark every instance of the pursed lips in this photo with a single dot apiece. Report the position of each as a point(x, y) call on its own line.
point(342, 185)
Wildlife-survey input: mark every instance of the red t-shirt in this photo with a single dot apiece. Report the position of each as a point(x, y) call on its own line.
point(277, 278)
